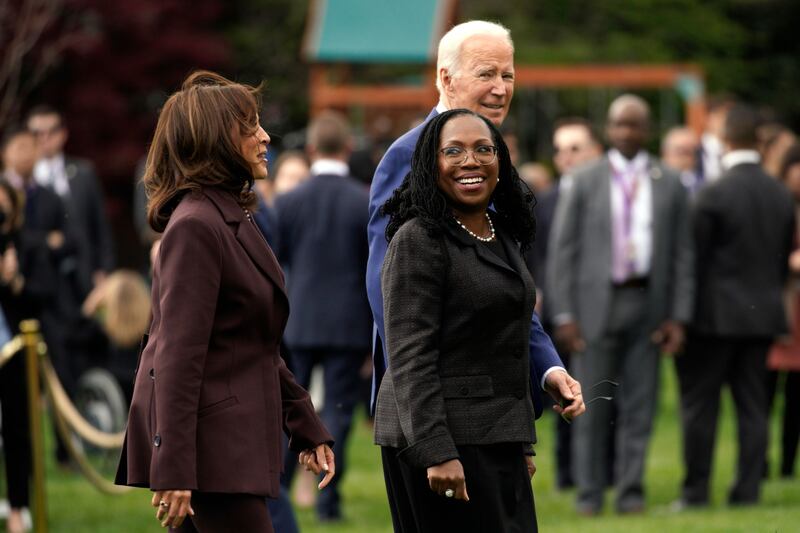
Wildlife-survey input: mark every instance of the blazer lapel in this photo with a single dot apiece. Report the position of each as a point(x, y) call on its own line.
point(249, 237)
point(603, 218)
point(659, 200)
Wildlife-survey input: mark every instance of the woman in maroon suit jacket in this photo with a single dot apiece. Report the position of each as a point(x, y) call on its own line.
point(212, 392)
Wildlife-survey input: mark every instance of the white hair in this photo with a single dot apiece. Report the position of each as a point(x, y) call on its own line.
point(449, 56)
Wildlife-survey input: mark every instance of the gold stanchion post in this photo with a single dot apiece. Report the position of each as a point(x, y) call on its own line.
point(30, 331)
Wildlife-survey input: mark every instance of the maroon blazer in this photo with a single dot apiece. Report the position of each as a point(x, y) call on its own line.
point(212, 392)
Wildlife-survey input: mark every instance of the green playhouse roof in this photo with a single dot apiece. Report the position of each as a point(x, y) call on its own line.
point(374, 31)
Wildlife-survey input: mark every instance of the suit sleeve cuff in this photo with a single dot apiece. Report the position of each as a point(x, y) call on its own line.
point(430, 451)
point(547, 373)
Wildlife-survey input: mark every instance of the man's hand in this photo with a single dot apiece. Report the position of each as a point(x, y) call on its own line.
point(55, 240)
point(669, 336)
point(567, 394)
point(568, 336)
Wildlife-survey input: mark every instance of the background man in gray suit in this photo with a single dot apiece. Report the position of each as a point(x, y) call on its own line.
point(621, 248)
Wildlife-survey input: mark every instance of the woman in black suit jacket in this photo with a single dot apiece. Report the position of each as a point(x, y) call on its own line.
point(454, 413)
point(212, 394)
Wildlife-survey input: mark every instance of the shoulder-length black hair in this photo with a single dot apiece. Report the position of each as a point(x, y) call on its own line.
point(420, 197)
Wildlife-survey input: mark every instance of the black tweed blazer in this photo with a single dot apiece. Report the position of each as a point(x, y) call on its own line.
point(457, 328)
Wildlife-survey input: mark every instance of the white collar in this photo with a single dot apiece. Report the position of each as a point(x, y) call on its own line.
point(738, 157)
point(619, 161)
point(441, 108)
point(57, 161)
point(711, 143)
point(330, 166)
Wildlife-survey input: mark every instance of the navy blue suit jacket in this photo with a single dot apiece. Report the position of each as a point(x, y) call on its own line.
point(391, 171)
point(322, 248)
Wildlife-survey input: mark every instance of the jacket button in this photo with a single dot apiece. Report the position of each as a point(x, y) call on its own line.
point(518, 356)
point(152, 373)
point(157, 441)
point(464, 391)
point(519, 394)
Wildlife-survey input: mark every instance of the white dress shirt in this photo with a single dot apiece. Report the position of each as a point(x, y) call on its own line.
point(636, 177)
point(51, 173)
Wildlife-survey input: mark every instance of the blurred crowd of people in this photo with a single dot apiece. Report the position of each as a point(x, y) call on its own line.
point(706, 275)
point(58, 267)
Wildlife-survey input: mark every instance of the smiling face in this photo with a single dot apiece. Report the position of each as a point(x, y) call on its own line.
point(253, 148)
point(469, 186)
point(484, 82)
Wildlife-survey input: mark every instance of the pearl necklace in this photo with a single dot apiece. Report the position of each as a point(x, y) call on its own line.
point(490, 238)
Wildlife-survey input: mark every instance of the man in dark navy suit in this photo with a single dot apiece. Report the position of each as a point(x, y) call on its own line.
point(323, 249)
point(475, 70)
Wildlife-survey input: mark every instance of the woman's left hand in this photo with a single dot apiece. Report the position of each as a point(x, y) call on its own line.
point(173, 506)
point(317, 460)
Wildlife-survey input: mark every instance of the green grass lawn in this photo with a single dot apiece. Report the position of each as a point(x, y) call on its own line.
point(74, 506)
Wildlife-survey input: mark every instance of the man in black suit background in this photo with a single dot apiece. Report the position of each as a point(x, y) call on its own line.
point(88, 233)
point(743, 229)
point(75, 182)
point(322, 246)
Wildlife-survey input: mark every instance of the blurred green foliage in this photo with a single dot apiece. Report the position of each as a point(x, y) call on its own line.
point(747, 47)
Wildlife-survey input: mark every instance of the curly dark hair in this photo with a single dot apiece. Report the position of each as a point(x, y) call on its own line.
point(420, 197)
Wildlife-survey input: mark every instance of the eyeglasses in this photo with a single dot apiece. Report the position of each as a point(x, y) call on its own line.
point(456, 156)
point(575, 148)
point(46, 132)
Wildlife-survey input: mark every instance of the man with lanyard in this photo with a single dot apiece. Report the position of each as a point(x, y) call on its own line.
point(622, 249)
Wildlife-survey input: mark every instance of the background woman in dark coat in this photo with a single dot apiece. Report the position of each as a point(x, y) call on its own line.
point(454, 413)
point(212, 393)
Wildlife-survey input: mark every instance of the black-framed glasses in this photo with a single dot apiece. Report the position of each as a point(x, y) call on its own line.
point(456, 156)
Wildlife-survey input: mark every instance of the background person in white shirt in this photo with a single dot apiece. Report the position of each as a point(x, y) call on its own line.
point(622, 250)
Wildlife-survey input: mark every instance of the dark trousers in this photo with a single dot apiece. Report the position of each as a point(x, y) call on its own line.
point(16, 430)
point(227, 513)
point(498, 485)
point(708, 364)
point(790, 427)
point(342, 385)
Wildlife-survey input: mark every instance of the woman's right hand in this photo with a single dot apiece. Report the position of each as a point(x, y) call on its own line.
point(448, 476)
point(173, 506)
